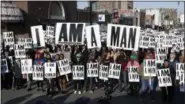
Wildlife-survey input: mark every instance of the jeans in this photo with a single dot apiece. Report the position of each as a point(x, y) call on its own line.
point(123, 79)
point(29, 77)
point(145, 84)
point(78, 85)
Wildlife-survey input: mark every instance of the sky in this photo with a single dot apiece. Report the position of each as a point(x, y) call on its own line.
point(141, 5)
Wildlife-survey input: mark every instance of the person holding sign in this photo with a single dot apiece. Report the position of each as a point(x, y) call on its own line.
point(78, 61)
point(146, 81)
point(167, 92)
point(133, 86)
point(39, 60)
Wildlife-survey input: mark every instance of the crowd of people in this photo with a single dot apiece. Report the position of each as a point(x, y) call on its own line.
point(80, 55)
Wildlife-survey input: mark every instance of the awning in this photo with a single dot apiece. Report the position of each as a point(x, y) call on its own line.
point(10, 13)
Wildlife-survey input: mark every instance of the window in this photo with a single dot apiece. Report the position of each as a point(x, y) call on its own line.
point(57, 11)
point(130, 5)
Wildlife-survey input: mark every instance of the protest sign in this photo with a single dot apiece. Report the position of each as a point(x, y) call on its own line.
point(179, 68)
point(152, 43)
point(8, 38)
point(160, 54)
point(93, 36)
point(50, 70)
point(38, 72)
point(92, 69)
point(103, 72)
point(19, 51)
point(64, 67)
point(181, 43)
point(149, 67)
point(38, 36)
point(167, 42)
point(26, 66)
point(26, 41)
point(123, 37)
point(69, 33)
point(4, 66)
point(182, 80)
point(133, 75)
point(144, 41)
point(50, 31)
point(114, 70)
point(164, 79)
point(78, 72)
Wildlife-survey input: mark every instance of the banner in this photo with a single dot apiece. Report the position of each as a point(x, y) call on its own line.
point(4, 66)
point(164, 79)
point(78, 72)
point(64, 67)
point(8, 38)
point(72, 33)
point(50, 70)
point(20, 51)
point(182, 80)
point(103, 72)
point(93, 36)
point(26, 66)
point(149, 67)
point(92, 69)
point(38, 72)
point(123, 37)
point(37, 33)
point(133, 75)
point(26, 41)
point(179, 68)
point(114, 70)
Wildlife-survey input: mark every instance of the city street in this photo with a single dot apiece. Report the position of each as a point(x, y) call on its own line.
point(24, 97)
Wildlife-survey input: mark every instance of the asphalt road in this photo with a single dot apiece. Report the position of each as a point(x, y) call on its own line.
point(24, 97)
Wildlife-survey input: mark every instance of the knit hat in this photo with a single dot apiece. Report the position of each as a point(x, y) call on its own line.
point(133, 57)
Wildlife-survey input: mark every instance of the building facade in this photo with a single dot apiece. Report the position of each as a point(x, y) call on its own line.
point(110, 5)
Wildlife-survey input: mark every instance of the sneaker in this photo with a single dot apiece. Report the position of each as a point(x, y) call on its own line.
point(79, 92)
point(91, 91)
point(75, 92)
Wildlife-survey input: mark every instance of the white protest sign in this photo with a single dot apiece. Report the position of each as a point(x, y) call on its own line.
point(92, 69)
point(152, 43)
point(167, 42)
point(133, 75)
point(114, 70)
point(20, 51)
point(181, 43)
point(101, 17)
point(144, 41)
point(179, 68)
point(182, 81)
point(123, 37)
point(50, 70)
point(26, 41)
point(149, 67)
point(38, 72)
point(93, 36)
point(26, 66)
point(8, 38)
point(103, 72)
point(50, 31)
point(164, 78)
point(4, 66)
point(38, 36)
point(64, 67)
point(160, 54)
point(69, 33)
point(78, 72)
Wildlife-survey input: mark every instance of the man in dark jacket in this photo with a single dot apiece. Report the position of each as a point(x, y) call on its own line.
point(17, 72)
